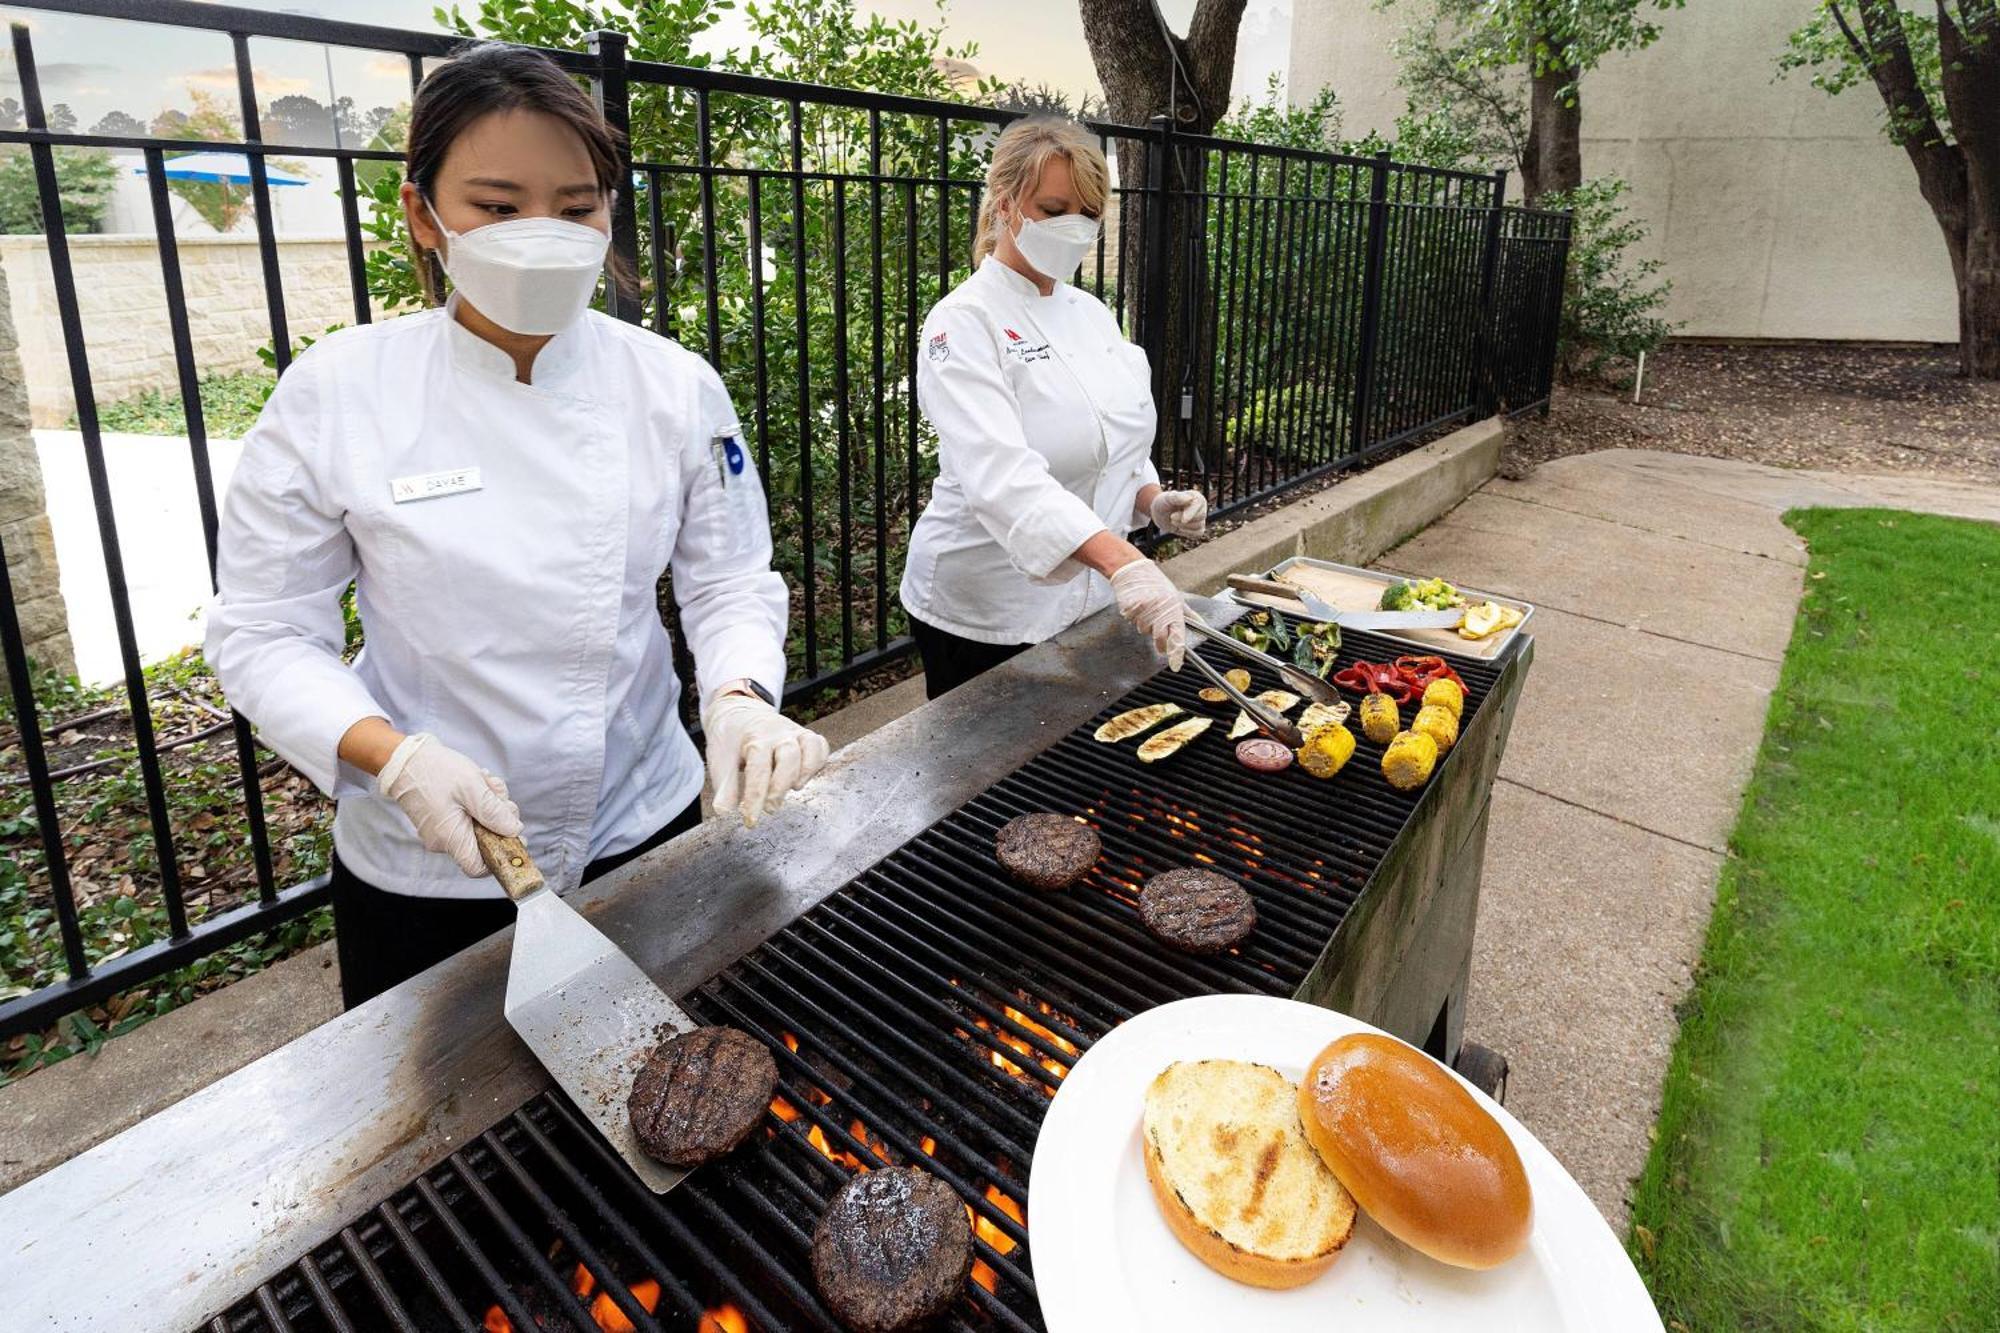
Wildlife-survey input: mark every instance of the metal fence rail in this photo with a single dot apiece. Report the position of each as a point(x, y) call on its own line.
point(1304, 313)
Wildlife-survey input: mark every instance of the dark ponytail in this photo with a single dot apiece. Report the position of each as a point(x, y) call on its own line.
point(484, 77)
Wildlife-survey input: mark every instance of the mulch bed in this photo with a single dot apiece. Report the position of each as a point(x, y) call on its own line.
point(1834, 407)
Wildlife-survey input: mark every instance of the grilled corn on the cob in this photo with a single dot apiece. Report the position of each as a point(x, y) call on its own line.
point(1444, 692)
point(1380, 721)
point(1327, 750)
point(1437, 722)
point(1408, 761)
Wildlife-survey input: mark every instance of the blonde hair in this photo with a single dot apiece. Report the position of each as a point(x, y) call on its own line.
point(1020, 153)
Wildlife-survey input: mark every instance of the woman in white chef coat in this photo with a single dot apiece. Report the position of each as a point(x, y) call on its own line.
point(1045, 422)
point(504, 481)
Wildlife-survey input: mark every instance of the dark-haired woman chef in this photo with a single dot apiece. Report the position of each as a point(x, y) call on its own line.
point(503, 480)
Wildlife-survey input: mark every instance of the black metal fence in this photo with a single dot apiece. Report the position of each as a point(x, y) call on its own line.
point(1305, 313)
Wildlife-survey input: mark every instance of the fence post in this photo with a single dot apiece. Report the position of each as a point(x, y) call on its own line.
point(1486, 401)
point(1154, 274)
point(608, 85)
point(1371, 303)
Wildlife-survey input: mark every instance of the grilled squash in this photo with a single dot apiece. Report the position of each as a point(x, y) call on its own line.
point(1380, 721)
point(1135, 720)
point(1168, 742)
point(1438, 723)
point(1327, 750)
point(1324, 715)
point(1278, 701)
point(1408, 761)
point(1444, 692)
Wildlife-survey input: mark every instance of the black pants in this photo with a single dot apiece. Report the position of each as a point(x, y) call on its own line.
point(950, 661)
point(384, 938)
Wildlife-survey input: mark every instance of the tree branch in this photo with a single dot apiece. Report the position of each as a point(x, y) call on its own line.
point(1859, 48)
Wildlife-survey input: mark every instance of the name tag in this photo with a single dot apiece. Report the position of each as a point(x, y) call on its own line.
point(430, 485)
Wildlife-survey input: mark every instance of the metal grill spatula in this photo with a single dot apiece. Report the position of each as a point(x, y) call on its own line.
point(585, 1009)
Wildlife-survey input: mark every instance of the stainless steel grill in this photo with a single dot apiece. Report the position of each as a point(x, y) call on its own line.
point(924, 1013)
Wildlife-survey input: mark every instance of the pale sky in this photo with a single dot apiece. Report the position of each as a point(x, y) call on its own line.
point(97, 65)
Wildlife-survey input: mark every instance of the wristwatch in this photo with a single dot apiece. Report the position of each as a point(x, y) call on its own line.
point(745, 685)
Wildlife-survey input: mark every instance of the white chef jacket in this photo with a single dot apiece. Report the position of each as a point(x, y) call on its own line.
point(512, 612)
point(1045, 422)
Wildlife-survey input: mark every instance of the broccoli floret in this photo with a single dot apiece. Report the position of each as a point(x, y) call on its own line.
point(1398, 596)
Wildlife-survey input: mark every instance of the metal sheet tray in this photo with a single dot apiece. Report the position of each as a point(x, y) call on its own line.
point(1351, 588)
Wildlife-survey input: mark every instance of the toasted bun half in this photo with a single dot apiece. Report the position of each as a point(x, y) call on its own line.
point(1420, 1156)
point(1235, 1178)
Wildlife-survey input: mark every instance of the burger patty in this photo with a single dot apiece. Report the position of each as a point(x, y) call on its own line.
point(1197, 911)
point(892, 1250)
point(700, 1094)
point(1048, 851)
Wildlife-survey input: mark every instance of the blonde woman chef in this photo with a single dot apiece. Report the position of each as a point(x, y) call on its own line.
point(504, 481)
point(1045, 422)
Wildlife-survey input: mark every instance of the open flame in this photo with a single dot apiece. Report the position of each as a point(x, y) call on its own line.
point(987, 1231)
point(1016, 1069)
point(724, 1318)
point(604, 1312)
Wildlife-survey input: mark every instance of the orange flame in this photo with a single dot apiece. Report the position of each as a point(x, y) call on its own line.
point(1055, 1067)
point(982, 1273)
point(604, 1311)
point(724, 1318)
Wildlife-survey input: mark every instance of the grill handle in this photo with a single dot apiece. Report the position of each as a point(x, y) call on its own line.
point(1259, 714)
point(1305, 682)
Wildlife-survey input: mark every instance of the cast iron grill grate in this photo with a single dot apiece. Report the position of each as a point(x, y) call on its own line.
point(925, 1013)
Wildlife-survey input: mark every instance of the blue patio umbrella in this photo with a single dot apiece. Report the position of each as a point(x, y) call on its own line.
point(222, 169)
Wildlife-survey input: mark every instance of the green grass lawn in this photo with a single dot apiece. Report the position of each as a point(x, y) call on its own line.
point(1828, 1154)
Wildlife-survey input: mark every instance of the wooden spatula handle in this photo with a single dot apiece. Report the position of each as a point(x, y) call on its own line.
point(509, 861)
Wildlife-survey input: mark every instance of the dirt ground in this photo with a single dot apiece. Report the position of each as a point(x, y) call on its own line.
point(1851, 409)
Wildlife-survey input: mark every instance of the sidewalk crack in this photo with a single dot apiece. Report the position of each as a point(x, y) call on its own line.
point(1616, 819)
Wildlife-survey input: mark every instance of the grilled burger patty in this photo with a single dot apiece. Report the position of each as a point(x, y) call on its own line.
point(1197, 911)
point(892, 1250)
point(1047, 851)
point(700, 1094)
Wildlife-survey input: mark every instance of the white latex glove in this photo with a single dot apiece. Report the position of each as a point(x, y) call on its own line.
point(1180, 513)
point(442, 792)
point(1148, 598)
point(756, 754)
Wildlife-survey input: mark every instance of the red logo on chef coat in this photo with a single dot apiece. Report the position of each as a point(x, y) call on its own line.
point(1011, 335)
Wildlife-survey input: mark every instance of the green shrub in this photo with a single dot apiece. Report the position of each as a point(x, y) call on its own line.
point(1611, 301)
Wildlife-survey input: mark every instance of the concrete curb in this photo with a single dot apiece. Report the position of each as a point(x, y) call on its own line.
point(73, 1106)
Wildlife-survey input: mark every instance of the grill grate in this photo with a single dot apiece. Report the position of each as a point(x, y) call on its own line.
point(925, 1013)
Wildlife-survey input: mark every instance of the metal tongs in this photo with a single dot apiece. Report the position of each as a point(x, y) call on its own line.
point(1305, 682)
point(1263, 716)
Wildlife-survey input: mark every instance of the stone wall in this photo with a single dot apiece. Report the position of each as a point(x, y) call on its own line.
point(122, 301)
point(24, 522)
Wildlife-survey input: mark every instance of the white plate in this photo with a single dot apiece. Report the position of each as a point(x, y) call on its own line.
point(1104, 1259)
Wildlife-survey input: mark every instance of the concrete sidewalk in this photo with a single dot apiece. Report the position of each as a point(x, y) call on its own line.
point(1666, 587)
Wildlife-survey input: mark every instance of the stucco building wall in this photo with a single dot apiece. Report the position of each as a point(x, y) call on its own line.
point(1779, 212)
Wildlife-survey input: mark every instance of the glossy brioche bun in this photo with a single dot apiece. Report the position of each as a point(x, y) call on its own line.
point(1234, 1177)
point(1420, 1156)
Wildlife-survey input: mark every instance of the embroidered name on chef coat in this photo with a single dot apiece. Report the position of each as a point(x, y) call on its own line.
point(430, 485)
point(1022, 350)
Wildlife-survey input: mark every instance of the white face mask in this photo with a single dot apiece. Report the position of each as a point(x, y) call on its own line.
point(528, 275)
point(1055, 246)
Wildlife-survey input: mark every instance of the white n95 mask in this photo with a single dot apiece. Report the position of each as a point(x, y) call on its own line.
point(1055, 246)
point(528, 275)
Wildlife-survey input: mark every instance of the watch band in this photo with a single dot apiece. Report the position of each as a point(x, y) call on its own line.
point(745, 685)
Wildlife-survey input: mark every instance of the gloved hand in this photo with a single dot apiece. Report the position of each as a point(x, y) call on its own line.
point(1148, 599)
point(756, 754)
point(1180, 513)
point(442, 792)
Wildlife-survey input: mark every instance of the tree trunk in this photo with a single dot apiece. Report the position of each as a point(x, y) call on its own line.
point(1554, 156)
point(1148, 71)
point(1970, 47)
